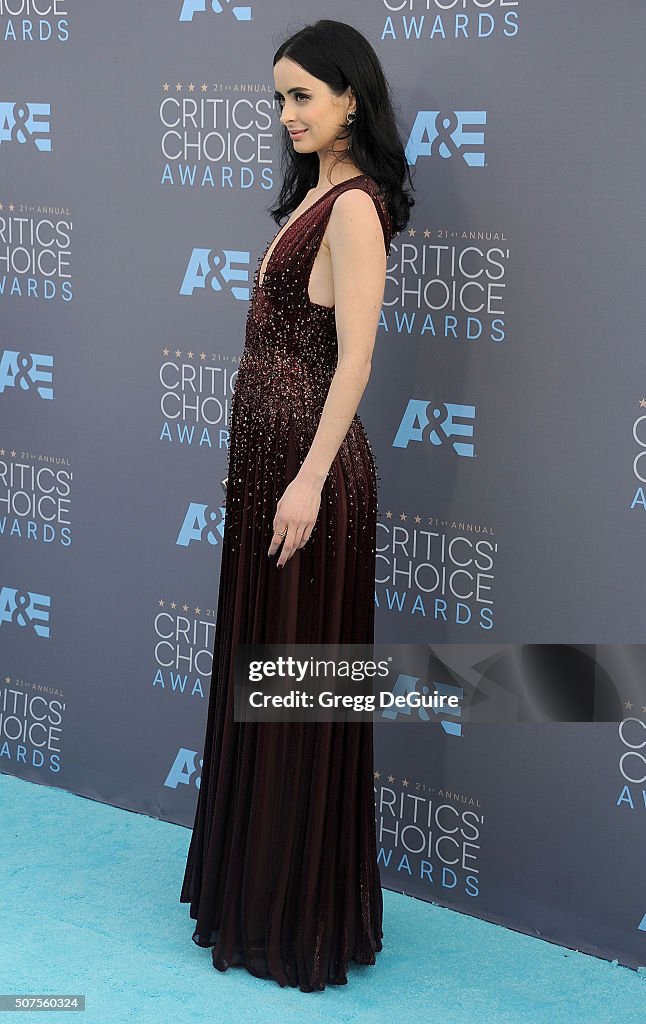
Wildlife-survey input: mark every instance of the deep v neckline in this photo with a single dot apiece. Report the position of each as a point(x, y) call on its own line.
point(281, 234)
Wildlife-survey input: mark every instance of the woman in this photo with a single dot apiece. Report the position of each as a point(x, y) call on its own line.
point(282, 873)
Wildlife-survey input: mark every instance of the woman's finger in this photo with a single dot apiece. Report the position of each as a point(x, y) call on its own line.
point(277, 538)
point(307, 533)
point(288, 548)
point(291, 545)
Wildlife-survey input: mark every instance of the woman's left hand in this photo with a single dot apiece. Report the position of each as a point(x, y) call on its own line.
point(297, 509)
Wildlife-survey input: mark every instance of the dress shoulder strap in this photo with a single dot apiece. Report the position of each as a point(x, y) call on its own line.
point(290, 264)
point(366, 184)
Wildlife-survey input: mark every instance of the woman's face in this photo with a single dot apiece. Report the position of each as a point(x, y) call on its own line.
point(309, 110)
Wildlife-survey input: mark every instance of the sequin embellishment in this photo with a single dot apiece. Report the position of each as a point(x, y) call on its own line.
point(282, 875)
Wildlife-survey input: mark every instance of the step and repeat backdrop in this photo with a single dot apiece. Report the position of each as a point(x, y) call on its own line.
point(139, 154)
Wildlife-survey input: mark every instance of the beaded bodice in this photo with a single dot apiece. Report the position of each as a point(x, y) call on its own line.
point(290, 351)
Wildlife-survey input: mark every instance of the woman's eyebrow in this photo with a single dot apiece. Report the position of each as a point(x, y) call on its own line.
point(297, 88)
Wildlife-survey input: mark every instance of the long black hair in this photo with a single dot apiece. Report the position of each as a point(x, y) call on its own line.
point(340, 55)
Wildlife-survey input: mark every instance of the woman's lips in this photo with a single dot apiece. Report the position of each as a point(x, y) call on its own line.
point(297, 135)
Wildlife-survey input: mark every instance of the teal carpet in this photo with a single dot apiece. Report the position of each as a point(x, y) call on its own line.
point(90, 905)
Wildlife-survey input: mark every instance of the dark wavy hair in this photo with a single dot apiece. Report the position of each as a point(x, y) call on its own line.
point(340, 55)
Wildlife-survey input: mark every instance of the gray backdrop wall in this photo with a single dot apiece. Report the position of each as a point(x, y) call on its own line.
point(506, 409)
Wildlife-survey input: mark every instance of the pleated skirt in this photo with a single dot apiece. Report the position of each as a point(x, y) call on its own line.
point(282, 875)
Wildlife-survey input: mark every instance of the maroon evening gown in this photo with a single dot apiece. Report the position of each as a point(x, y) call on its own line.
point(282, 874)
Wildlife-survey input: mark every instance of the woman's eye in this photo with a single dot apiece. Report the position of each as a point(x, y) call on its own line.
point(280, 102)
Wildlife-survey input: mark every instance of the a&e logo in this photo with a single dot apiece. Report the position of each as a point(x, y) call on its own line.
point(26, 123)
point(205, 268)
point(406, 684)
point(415, 421)
point(196, 522)
point(456, 133)
point(241, 12)
point(183, 769)
point(29, 371)
point(25, 609)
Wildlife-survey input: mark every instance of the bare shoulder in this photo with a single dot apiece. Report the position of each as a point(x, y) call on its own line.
point(354, 211)
point(354, 199)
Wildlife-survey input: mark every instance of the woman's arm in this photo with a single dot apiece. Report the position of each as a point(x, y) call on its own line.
point(358, 258)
